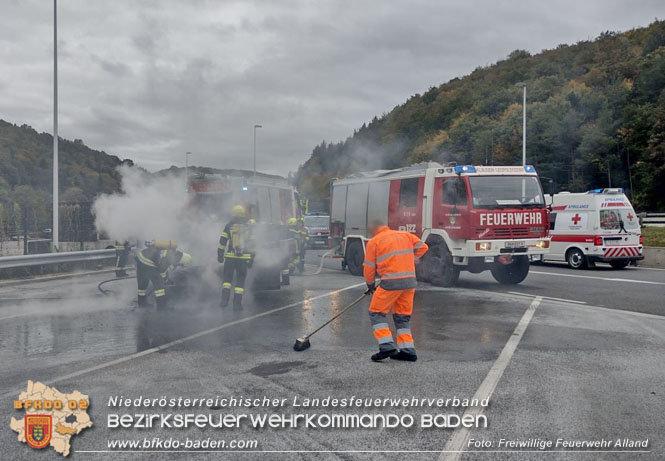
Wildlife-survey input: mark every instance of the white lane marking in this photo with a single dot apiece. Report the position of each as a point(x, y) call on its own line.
point(609, 279)
point(458, 440)
point(136, 355)
point(548, 297)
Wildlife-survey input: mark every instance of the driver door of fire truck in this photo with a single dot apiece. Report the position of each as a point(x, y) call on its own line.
point(450, 206)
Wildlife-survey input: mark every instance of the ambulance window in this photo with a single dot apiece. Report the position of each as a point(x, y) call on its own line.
point(408, 193)
point(449, 187)
point(552, 220)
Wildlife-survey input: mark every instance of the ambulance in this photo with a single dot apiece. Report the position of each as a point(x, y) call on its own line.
point(595, 226)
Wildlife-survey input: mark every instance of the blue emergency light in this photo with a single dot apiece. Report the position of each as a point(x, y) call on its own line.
point(529, 168)
point(465, 169)
point(611, 190)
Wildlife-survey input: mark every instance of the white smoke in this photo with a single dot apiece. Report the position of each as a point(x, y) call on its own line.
point(152, 207)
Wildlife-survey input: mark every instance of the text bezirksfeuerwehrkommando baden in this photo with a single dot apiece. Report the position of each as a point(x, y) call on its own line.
point(120, 401)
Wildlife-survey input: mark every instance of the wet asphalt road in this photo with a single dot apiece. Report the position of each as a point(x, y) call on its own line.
point(586, 365)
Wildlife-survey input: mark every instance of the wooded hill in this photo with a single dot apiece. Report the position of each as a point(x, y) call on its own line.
point(592, 107)
point(26, 175)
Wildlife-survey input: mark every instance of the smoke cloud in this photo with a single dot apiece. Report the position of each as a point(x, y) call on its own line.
point(157, 207)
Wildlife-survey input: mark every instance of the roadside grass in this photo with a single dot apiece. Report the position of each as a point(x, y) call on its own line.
point(654, 236)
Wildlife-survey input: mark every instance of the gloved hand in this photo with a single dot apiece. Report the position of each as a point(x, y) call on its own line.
point(371, 288)
point(250, 262)
point(220, 257)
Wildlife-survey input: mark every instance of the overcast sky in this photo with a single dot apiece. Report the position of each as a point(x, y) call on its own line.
point(149, 80)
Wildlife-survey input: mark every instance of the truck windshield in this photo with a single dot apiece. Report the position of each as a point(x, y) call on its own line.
point(317, 221)
point(506, 191)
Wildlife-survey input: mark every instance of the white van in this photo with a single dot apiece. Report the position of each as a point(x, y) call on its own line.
point(595, 226)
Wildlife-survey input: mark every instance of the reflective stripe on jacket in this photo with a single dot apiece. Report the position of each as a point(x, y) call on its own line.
point(159, 259)
point(390, 256)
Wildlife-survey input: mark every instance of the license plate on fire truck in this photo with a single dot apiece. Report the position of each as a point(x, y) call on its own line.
point(517, 244)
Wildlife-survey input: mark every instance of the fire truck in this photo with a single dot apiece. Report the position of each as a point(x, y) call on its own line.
point(473, 218)
point(269, 200)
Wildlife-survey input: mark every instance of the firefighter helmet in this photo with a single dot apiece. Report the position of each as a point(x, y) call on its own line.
point(238, 211)
point(292, 222)
point(186, 259)
point(251, 221)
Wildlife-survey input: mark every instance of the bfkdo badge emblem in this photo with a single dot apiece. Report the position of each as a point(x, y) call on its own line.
point(38, 430)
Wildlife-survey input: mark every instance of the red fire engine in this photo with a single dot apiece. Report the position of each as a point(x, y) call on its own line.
point(474, 218)
point(270, 201)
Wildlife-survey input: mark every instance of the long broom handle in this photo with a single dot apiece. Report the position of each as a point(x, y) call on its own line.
point(340, 313)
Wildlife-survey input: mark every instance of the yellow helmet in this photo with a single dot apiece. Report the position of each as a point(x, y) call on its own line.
point(238, 211)
point(292, 222)
point(251, 221)
point(186, 259)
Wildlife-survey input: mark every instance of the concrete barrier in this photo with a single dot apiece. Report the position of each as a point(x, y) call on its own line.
point(653, 257)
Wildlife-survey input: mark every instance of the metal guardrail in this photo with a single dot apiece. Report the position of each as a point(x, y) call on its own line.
point(8, 262)
point(653, 219)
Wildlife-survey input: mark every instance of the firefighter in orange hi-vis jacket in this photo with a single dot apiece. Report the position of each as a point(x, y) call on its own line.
point(390, 255)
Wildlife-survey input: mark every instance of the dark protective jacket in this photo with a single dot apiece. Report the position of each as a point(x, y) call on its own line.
point(159, 259)
point(236, 241)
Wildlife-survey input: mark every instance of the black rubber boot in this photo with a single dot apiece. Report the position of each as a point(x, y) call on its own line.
point(237, 301)
point(382, 355)
point(162, 303)
point(401, 355)
point(143, 301)
point(226, 296)
point(286, 279)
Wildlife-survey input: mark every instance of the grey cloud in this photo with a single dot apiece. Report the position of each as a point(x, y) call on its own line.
point(151, 80)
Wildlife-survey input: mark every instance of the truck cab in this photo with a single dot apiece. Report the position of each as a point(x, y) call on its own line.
point(595, 226)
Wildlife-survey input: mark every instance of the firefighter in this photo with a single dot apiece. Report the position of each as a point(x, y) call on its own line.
point(152, 265)
point(121, 253)
point(297, 232)
point(390, 255)
point(235, 251)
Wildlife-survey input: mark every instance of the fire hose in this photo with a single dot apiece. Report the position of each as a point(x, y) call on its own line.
point(323, 257)
point(106, 292)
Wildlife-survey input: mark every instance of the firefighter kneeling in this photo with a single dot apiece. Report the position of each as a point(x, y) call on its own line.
point(235, 251)
point(390, 255)
point(152, 265)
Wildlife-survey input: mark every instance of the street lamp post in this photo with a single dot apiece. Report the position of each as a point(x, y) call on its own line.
point(255, 127)
point(56, 221)
point(523, 86)
point(187, 154)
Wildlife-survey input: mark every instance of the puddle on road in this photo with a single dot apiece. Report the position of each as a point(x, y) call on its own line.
point(278, 368)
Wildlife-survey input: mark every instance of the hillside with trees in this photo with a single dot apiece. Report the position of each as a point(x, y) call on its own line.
point(26, 175)
point(595, 114)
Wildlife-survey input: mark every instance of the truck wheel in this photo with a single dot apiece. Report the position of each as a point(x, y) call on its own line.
point(512, 273)
point(576, 259)
point(355, 255)
point(618, 264)
point(438, 267)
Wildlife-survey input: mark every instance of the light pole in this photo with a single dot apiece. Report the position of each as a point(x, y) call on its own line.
point(56, 221)
point(523, 85)
point(187, 154)
point(255, 127)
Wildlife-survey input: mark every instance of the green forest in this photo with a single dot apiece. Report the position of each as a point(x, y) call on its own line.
point(26, 175)
point(595, 115)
